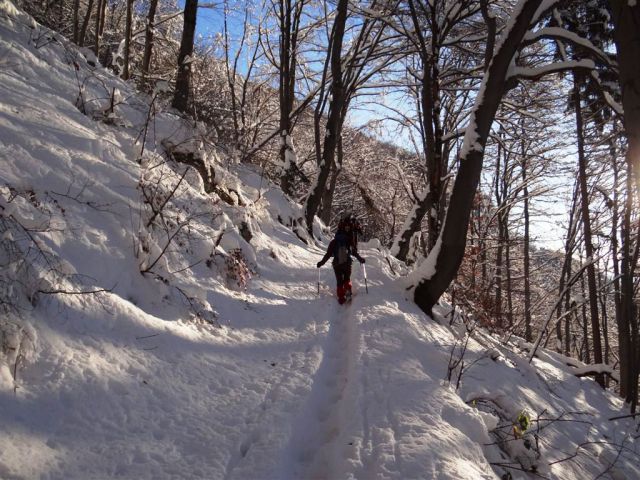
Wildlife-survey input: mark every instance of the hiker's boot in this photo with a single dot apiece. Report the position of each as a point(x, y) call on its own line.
point(341, 294)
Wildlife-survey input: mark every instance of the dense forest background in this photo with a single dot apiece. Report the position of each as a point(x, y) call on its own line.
point(464, 135)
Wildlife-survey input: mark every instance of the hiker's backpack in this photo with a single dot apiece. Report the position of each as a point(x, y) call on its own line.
point(341, 252)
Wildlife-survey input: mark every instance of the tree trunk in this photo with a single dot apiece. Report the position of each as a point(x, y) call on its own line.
point(181, 96)
point(499, 193)
point(289, 27)
point(327, 198)
point(440, 269)
point(76, 20)
point(626, 18)
point(586, 356)
point(526, 252)
point(149, 38)
point(103, 17)
point(334, 120)
point(586, 230)
point(627, 323)
point(127, 40)
point(498, 275)
point(85, 24)
point(430, 202)
point(602, 298)
point(569, 248)
point(412, 224)
point(97, 33)
point(509, 284)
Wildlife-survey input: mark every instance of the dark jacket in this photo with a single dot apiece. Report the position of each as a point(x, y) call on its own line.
point(332, 249)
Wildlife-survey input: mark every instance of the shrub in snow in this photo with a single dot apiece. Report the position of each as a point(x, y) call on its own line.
point(513, 435)
point(191, 151)
point(26, 269)
point(171, 216)
point(101, 106)
point(238, 271)
point(17, 346)
point(201, 311)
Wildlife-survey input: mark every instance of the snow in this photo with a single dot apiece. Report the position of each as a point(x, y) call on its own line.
point(537, 72)
point(597, 368)
point(562, 34)
point(187, 372)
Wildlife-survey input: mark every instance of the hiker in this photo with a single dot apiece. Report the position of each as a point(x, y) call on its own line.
point(341, 248)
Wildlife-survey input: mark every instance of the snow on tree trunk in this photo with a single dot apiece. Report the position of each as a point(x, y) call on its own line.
point(402, 241)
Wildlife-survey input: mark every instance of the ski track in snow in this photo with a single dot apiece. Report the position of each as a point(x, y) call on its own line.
point(316, 438)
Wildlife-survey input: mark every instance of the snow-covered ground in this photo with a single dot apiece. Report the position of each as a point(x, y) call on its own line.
point(181, 372)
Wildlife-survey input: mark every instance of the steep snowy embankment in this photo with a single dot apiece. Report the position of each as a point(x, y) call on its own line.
point(180, 372)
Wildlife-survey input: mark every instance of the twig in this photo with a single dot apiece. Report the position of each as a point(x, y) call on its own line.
point(147, 336)
point(631, 415)
point(68, 292)
point(187, 267)
point(157, 211)
point(180, 227)
point(15, 373)
point(512, 467)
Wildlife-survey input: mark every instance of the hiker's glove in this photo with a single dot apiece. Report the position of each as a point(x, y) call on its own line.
point(362, 260)
point(319, 264)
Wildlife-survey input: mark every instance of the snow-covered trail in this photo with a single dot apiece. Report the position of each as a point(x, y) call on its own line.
point(363, 415)
point(320, 428)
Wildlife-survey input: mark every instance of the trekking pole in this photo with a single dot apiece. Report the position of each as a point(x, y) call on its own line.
point(318, 281)
point(364, 274)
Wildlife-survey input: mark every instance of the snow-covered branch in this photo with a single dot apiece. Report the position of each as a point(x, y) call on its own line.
point(538, 72)
point(560, 34)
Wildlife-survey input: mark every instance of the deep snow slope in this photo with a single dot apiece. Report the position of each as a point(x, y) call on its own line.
point(182, 373)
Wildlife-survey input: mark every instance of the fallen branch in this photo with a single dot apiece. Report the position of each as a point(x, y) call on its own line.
point(631, 415)
point(69, 292)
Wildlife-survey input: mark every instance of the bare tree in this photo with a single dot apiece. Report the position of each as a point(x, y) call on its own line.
point(586, 228)
point(127, 40)
point(149, 37)
point(626, 17)
point(181, 95)
point(336, 104)
point(345, 76)
point(432, 24)
point(288, 16)
point(85, 24)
